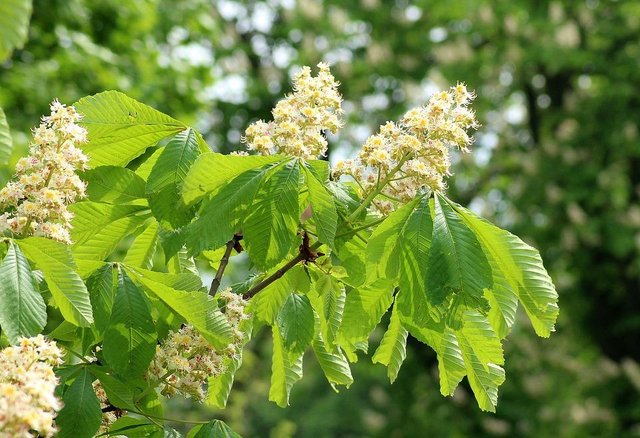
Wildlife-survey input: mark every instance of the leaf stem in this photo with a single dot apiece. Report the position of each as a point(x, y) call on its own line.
point(361, 228)
point(233, 243)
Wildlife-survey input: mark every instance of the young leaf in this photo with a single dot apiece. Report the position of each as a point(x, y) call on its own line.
point(213, 429)
point(81, 415)
point(114, 185)
point(457, 263)
point(98, 228)
point(130, 338)
point(324, 214)
point(351, 252)
point(383, 246)
point(272, 222)
point(363, 310)
point(197, 308)
point(14, 25)
point(393, 348)
point(102, 290)
point(295, 323)
point(221, 215)
point(6, 142)
point(327, 298)
point(121, 128)
point(166, 178)
point(141, 251)
point(211, 171)
point(332, 360)
point(59, 270)
point(23, 312)
point(521, 267)
point(286, 370)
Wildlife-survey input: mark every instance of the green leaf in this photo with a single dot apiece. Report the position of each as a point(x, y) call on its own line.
point(130, 338)
point(14, 25)
point(213, 429)
point(114, 185)
point(120, 394)
point(383, 248)
point(520, 271)
point(393, 348)
point(351, 253)
point(286, 370)
point(457, 264)
point(165, 180)
point(333, 362)
point(295, 323)
point(414, 244)
point(197, 308)
point(363, 310)
point(121, 128)
point(6, 142)
point(23, 312)
point(324, 215)
point(141, 251)
point(221, 216)
point(56, 263)
point(211, 171)
point(81, 415)
point(98, 228)
point(102, 290)
point(272, 222)
point(327, 298)
point(267, 304)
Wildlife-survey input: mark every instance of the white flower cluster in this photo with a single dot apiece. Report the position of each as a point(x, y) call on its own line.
point(413, 155)
point(109, 417)
point(300, 118)
point(35, 202)
point(27, 385)
point(185, 360)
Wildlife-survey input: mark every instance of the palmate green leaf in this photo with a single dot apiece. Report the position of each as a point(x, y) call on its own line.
point(457, 264)
point(196, 307)
point(98, 228)
point(81, 415)
point(271, 225)
point(145, 168)
point(363, 310)
point(6, 142)
point(212, 170)
point(286, 370)
point(295, 323)
point(267, 304)
point(332, 360)
point(213, 429)
point(56, 263)
point(120, 394)
point(522, 271)
point(351, 252)
point(327, 298)
point(130, 339)
point(393, 348)
point(102, 290)
point(114, 185)
point(141, 251)
point(221, 216)
point(14, 25)
point(23, 312)
point(121, 128)
point(324, 214)
point(165, 180)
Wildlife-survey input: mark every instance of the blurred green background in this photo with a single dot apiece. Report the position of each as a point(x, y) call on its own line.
point(556, 161)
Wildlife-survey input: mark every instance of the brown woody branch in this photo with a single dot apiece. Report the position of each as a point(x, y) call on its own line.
point(231, 245)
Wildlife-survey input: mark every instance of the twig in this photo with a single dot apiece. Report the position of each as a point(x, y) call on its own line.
point(307, 254)
point(231, 245)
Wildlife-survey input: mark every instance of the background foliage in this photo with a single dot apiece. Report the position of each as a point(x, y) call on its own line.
point(557, 161)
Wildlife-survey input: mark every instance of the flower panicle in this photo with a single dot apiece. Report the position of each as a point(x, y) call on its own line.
point(45, 183)
point(185, 359)
point(412, 155)
point(300, 119)
point(27, 386)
